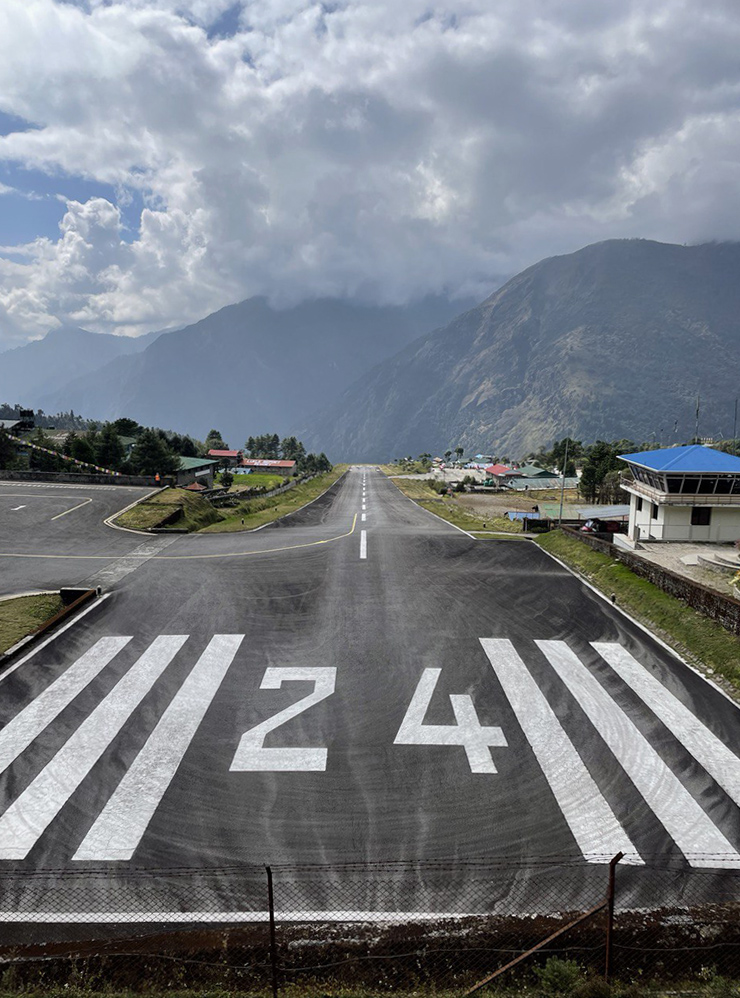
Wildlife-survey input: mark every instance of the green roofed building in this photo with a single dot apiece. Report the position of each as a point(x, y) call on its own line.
point(196, 469)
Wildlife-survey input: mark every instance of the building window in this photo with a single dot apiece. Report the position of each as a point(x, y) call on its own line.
point(654, 511)
point(700, 516)
point(639, 504)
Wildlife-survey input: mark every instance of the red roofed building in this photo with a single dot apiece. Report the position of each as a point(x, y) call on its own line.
point(498, 470)
point(229, 458)
point(266, 466)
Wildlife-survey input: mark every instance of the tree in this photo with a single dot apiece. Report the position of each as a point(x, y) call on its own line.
point(448, 455)
point(557, 455)
point(109, 452)
point(227, 479)
point(127, 427)
point(40, 461)
point(152, 456)
point(214, 441)
point(602, 458)
point(7, 451)
point(459, 451)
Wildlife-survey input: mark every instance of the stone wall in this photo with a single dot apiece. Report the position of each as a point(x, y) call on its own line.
point(71, 478)
point(724, 609)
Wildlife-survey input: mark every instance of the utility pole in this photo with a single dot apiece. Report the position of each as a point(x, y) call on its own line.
point(562, 483)
point(696, 431)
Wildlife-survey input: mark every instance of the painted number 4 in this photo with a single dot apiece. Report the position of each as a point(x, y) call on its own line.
point(476, 739)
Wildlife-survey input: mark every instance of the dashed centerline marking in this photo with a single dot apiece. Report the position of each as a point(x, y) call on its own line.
point(363, 544)
point(364, 517)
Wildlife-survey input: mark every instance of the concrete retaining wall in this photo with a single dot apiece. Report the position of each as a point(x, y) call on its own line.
point(724, 609)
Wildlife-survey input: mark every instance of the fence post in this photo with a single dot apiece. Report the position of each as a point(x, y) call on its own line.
point(273, 943)
point(610, 915)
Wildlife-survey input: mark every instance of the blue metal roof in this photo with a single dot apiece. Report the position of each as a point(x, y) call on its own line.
point(692, 459)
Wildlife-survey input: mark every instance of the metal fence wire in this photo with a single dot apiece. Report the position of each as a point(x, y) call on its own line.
point(388, 927)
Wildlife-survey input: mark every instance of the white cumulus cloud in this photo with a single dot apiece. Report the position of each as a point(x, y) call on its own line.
point(364, 147)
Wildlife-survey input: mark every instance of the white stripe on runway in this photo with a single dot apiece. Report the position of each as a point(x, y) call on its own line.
point(364, 517)
point(685, 821)
point(30, 814)
point(124, 819)
point(363, 544)
point(721, 764)
point(593, 823)
point(19, 732)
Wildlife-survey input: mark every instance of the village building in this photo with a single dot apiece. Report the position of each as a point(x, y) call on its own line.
point(227, 458)
point(196, 469)
point(266, 466)
point(689, 494)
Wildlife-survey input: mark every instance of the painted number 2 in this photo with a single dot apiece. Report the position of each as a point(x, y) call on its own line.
point(252, 756)
point(476, 739)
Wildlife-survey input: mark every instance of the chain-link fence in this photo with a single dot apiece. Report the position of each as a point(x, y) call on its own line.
point(392, 927)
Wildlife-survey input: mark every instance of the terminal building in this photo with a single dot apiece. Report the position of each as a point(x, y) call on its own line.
point(689, 494)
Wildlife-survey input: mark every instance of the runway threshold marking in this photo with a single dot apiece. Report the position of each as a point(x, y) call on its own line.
point(593, 821)
point(721, 763)
point(21, 730)
point(683, 818)
point(594, 825)
point(30, 814)
point(185, 557)
point(121, 824)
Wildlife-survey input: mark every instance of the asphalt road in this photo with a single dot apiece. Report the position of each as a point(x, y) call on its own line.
point(362, 682)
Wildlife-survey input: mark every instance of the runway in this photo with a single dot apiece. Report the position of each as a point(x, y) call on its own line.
point(337, 690)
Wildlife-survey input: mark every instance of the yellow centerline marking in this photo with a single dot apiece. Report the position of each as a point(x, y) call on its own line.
point(182, 557)
point(78, 506)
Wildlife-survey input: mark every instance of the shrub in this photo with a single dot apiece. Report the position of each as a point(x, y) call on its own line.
point(559, 976)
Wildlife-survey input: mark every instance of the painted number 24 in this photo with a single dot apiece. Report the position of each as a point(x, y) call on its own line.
point(477, 739)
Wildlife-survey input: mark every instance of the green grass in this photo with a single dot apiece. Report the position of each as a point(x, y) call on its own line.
point(22, 616)
point(196, 512)
point(448, 508)
point(696, 637)
point(255, 512)
point(253, 481)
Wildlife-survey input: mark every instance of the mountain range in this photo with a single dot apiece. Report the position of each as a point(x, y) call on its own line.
point(616, 340)
point(245, 370)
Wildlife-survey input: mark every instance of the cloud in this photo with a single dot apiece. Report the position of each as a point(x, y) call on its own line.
point(364, 147)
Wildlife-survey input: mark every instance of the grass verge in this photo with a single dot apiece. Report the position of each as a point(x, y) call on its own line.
point(25, 614)
point(255, 512)
point(449, 509)
point(697, 638)
point(188, 510)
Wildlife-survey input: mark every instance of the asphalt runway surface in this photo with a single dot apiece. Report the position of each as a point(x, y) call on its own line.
point(361, 682)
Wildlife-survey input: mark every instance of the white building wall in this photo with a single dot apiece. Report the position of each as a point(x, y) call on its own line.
point(674, 523)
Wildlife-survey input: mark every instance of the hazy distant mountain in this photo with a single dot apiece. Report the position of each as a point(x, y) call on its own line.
point(35, 370)
point(249, 368)
point(613, 341)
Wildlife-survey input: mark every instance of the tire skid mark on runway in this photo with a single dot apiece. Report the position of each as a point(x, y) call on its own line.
point(30, 814)
point(123, 821)
point(594, 825)
point(684, 819)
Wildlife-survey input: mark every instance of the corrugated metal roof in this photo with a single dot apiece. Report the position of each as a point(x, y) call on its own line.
point(255, 462)
point(603, 512)
point(694, 458)
point(188, 463)
point(224, 453)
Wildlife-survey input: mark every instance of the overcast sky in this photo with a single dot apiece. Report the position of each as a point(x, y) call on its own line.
point(160, 159)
